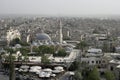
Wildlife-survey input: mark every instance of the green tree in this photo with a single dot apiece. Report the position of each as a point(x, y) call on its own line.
point(109, 75)
point(19, 58)
point(15, 41)
point(45, 60)
point(75, 66)
point(77, 76)
point(24, 51)
point(82, 45)
point(18, 41)
point(24, 43)
point(36, 49)
point(7, 58)
point(106, 47)
point(1, 55)
point(60, 53)
point(10, 50)
point(42, 49)
point(93, 74)
point(51, 50)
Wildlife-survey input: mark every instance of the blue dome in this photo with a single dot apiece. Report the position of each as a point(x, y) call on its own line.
point(43, 36)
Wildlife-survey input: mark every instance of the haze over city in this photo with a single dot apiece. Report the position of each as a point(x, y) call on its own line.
point(60, 7)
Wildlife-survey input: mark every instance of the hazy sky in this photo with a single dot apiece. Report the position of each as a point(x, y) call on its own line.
point(60, 7)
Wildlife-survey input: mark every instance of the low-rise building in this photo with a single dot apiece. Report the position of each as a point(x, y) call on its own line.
point(114, 65)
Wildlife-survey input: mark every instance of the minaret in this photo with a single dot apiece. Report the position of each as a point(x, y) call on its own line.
point(28, 38)
point(61, 35)
point(68, 33)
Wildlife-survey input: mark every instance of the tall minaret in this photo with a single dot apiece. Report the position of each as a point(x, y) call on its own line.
point(28, 38)
point(61, 35)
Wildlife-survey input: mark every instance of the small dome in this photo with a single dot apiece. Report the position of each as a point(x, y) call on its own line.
point(18, 46)
point(68, 49)
point(43, 36)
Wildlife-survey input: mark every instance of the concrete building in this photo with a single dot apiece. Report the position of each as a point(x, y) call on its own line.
point(114, 65)
point(12, 34)
point(93, 56)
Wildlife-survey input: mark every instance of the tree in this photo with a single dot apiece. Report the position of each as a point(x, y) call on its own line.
point(1, 55)
point(60, 53)
point(51, 50)
point(15, 41)
point(18, 41)
point(48, 50)
point(24, 43)
point(105, 47)
point(7, 58)
point(109, 75)
point(43, 49)
point(10, 50)
point(26, 58)
point(19, 58)
point(35, 49)
point(81, 45)
point(77, 76)
point(24, 51)
point(93, 74)
point(45, 60)
point(112, 48)
point(75, 66)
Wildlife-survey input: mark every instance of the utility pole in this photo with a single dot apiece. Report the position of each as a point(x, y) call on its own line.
point(11, 66)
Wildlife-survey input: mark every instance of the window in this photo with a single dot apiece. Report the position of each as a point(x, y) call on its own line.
point(96, 62)
point(103, 61)
point(111, 68)
point(88, 62)
point(99, 62)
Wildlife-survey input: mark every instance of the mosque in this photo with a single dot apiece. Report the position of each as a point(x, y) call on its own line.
point(43, 38)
